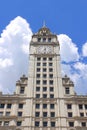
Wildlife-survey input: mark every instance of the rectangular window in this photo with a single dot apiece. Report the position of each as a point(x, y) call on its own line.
point(50, 64)
point(67, 90)
point(69, 106)
point(1, 113)
point(44, 124)
point(85, 106)
point(51, 95)
point(44, 64)
point(52, 114)
point(81, 114)
point(69, 114)
point(38, 63)
point(37, 95)
point(44, 95)
point(37, 114)
point(20, 106)
point(80, 106)
point(51, 89)
point(44, 89)
point(44, 114)
point(7, 113)
point(6, 123)
point(19, 113)
point(52, 124)
point(44, 82)
point(38, 75)
point(50, 69)
point(19, 123)
point(51, 106)
point(49, 39)
point(50, 58)
point(39, 39)
point(50, 75)
point(83, 124)
point(37, 123)
point(37, 106)
point(37, 89)
point(51, 82)
point(37, 81)
point(44, 106)
point(0, 123)
point(9, 106)
point(44, 69)
point(2, 105)
point(22, 90)
point(38, 69)
point(44, 75)
point(38, 58)
point(71, 124)
point(44, 58)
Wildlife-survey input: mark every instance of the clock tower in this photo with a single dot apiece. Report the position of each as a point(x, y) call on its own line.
point(45, 94)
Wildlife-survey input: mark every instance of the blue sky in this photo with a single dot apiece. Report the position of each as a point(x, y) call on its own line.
point(66, 18)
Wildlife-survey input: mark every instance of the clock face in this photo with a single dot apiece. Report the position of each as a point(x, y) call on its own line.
point(45, 49)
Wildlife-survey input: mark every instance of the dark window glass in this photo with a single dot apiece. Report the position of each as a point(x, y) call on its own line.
point(67, 90)
point(52, 114)
point(7, 113)
point(44, 88)
point(39, 39)
point(51, 106)
point(44, 106)
point(49, 39)
point(37, 95)
point(2, 105)
point(44, 69)
point(51, 82)
point(9, 106)
point(20, 106)
point(71, 124)
point(44, 95)
point(80, 106)
point(51, 89)
point(38, 58)
point(51, 95)
point(52, 124)
point(36, 123)
point(19, 113)
point(81, 114)
point(69, 106)
point(44, 75)
point(44, 39)
point(38, 75)
point(50, 69)
point(37, 106)
point(37, 114)
point(38, 69)
point(38, 64)
point(22, 90)
point(1, 113)
point(69, 114)
point(50, 64)
point(37, 88)
point(50, 58)
point(50, 75)
point(37, 81)
point(6, 123)
point(44, 114)
point(44, 58)
point(44, 82)
point(83, 124)
point(19, 123)
point(44, 64)
point(0, 123)
point(44, 124)
point(85, 106)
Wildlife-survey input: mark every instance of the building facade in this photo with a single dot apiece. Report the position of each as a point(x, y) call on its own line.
point(44, 100)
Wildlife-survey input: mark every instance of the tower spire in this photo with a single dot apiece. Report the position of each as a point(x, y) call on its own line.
point(44, 24)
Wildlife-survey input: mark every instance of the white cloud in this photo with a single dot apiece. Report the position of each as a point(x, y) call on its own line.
point(14, 46)
point(68, 50)
point(84, 50)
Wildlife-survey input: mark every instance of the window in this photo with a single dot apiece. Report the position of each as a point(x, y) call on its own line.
point(37, 88)
point(37, 81)
point(7, 113)
point(39, 39)
point(80, 106)
point(44, 39)
point(52, 114)
point(44, 89)
point(38, 69)
point(67, 90)
point(1, 113)
point(44, 95)
point(38, 63)
point(50, 58)
point(50, 75)
point(51, 106)
point(85, 106)
point(51, 89)
point(22, 90)
point(19, 113)
point(44, 82)
point(2, 105)
point(51, 95)
point(69, 114)
point(51, 82)
point(44, 64)
point(37, 123)
point(38, 58)
point(0, 123)
point(49, 39)
point(37, 95)
point(44, 114)
point(44, 106)
point(37, 106)
point(50, 70)
point(19, 123)
point(37, 114)
point(71, 124)
point(44, 124)
point(44, 75)
point(44, 69)
point(69, 106)
point(83, 124)
point(6, 123)
point(38, 75)
point(9, 106)
point(52, 124)
point(44, 58)
point(50, 64)
point(20, 106)
point(81, 114)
